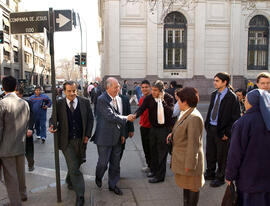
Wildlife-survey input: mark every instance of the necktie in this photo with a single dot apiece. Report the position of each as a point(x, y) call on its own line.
point(215, 109)
point(115, 104)
point(71, 106)
point(160, 112)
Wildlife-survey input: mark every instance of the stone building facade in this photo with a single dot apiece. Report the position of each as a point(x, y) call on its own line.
point(189, 43)
point(16, 54)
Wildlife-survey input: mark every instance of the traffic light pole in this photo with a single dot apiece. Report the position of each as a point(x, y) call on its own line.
point(54, 114)
point(81, 68)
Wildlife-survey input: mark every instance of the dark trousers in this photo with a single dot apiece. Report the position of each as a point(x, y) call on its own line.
point(251, 199)
point(145, 136)
point(74, 177)
point(216, 152)
point(29, 151)
point(111, 155)
point(159, 151)
point(40, 126)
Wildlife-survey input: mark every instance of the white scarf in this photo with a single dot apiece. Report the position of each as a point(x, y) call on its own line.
point(160, 111)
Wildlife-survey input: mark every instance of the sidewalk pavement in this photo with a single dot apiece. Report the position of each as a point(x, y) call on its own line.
point(137, 192)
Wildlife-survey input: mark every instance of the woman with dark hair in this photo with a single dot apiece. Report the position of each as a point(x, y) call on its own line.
point(248, 161)
point(187, 154)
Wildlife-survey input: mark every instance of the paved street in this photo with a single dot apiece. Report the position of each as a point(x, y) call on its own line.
point(137, 191)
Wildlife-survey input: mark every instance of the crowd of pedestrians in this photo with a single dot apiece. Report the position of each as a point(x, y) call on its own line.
point(237, 129)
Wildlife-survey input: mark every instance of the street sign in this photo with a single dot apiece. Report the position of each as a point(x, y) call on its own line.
point(63, 20)
point(28, 22)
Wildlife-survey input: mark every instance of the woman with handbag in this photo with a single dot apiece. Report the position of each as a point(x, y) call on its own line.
point(187, 153)
point(248, 161)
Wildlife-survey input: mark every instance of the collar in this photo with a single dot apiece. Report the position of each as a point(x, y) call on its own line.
point(224, 91)
point(182, 113)
point(157, 99)
point(10, 94)
point(75, 101)
point(184, 116)
point(111, 96)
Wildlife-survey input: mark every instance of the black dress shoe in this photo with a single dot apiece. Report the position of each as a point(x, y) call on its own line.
point(155, 180)
point(116, 190)
point(24, 198)
point(98, 182)
point(80, 201)
point(150, 174)
point(217, 183)
point(208, 176)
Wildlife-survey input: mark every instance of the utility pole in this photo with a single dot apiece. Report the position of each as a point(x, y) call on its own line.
point(81, 68)
point(54, 114)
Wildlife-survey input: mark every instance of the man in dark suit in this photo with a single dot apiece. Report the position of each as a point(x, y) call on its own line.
point(74, 127)
point(124, 109)
point(95, 93)
point(160, 108)
point(223, 111)
point(108, 135)
point(29, 142)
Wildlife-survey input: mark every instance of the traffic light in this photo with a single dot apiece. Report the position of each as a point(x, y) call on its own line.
point(78, 59)
point(83, 59)
point(1, 37)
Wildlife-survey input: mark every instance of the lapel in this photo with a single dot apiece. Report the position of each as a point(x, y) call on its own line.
point(212, 102)
point(221, 103)
point(63, 110)
point(109, 99)
point(179, 122)
point(83, 112)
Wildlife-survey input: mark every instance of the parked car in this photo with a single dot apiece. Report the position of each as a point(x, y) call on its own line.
point(47, 88)
point(29, 90)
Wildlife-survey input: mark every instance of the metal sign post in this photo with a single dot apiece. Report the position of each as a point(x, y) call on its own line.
point(54, 114)
point(35, 22)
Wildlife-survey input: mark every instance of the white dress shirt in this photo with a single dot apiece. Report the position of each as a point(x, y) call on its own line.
point(119, 104)
point(75, 103)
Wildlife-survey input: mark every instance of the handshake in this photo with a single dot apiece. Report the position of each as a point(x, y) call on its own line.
point(131, 117)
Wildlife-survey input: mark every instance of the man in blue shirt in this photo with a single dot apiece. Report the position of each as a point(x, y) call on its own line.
point(223, 111)
point(40, 103)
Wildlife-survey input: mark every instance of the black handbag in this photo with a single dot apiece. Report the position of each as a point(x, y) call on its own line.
point(170, 145)
point(230, 196)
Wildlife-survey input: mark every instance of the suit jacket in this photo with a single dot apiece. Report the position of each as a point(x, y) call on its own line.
point(128, 127)
point(229, 112)
point(32, 118)
point(62, 121)
point(109, 122)
point(188, 144)
point(14, 117)
point(95, 94)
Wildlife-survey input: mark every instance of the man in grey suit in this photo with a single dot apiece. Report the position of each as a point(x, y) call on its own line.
point(108, 135)
point(14, 117)
point(74, 127)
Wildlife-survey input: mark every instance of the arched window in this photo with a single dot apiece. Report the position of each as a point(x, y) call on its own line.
point(258, 42)
point(175, 41)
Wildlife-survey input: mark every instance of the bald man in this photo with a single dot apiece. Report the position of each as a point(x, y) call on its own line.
point(108, 135)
